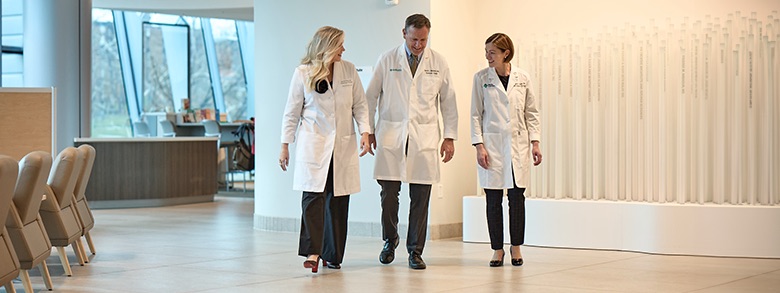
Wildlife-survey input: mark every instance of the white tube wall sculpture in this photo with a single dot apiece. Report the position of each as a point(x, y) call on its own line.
point(672, 113)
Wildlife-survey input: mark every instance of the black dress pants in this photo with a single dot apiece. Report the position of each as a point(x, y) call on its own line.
point(324, 223)
point(495, 216)
point(420, 196)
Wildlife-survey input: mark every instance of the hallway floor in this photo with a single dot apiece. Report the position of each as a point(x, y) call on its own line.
point(211, 247)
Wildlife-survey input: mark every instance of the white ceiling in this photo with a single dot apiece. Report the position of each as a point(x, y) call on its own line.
point(230, 9)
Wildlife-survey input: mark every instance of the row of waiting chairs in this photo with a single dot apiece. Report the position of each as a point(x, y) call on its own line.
point(44, 207)
point(141, 129)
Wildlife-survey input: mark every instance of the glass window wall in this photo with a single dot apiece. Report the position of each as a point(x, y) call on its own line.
point(12, 24)
point(165, 66)
point(201, 93)
point(109, 104)
point(161, 60)
point(231, 67)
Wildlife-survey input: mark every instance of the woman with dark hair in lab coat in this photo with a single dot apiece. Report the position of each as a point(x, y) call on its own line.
point(505, 130)
point(326, 99)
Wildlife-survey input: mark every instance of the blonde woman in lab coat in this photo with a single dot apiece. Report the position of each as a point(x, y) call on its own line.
point(326, 99)
point(505, 130)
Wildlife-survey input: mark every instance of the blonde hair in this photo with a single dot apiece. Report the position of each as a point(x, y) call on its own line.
point(320, 52)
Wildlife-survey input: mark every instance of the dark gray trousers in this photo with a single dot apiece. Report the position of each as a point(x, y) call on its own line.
point(420, 196)
point(495, 216)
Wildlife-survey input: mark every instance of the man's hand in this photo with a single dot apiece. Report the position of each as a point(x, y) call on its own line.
point(447, 149)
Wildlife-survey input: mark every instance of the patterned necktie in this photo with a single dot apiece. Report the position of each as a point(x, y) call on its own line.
point(413, 64)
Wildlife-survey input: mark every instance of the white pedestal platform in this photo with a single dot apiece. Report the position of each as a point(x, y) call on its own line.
point(691, 229)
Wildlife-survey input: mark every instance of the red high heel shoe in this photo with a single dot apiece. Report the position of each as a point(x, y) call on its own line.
point(314, 265)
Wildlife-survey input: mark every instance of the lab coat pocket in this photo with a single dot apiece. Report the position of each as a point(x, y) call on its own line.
point(309, 148)
point(431, 84)
point(349, 148)
point(390, 136)
point(427, 137)
point(348, 164)
point(492, 177)
point(494, 144)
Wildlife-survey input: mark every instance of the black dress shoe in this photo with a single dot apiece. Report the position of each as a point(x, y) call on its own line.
point(388, 252)
point(416, 262)
point(331, 265)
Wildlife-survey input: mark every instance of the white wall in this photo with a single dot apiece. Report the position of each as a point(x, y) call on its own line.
point(459, 28)
point(282, 30)
point(230, 9)
point(56, 53)
point(638, 226)
point(453, 33)
point(524, 20)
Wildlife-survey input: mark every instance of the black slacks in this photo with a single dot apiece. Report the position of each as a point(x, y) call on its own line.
point(324, 223)
point(495, 216)
point(420, 196)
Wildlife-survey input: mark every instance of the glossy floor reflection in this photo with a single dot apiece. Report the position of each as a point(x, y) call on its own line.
point(212, 247)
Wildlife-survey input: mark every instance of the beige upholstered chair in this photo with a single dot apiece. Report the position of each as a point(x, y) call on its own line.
point(80, 199)
point(58, 211)
point(24, 224)
point(9, 264)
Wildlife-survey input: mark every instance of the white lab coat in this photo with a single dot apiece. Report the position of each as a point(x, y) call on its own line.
point(325, 128)
point(408, 114)
point(505, 121)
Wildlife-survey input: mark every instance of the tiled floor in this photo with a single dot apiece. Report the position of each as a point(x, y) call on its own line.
point(212, 247)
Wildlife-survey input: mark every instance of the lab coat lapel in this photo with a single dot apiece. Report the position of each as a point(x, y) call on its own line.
point(514, 80)
point(403, 61)
point(423, 63)
point(493, 78)
point(337, 76)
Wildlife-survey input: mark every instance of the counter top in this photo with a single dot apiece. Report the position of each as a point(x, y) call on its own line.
point(201, 124)
point(144, 139)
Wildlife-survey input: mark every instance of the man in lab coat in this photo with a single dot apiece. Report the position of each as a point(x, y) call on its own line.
point(410, 86)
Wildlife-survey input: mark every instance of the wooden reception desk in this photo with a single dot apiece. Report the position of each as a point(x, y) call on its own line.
point(155, 171)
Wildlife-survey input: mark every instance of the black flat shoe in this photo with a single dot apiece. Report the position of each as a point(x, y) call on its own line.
point(388, 252)
point(517, 262)
point(416, 262)
point(498, 262)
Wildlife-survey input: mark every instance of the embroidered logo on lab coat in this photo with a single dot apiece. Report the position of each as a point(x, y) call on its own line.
point(395, 69)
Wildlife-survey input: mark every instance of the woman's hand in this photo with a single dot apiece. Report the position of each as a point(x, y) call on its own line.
point(482, 156)
point(284, 157)
point(365, 144)
point(536, 153)
point(372, 141)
